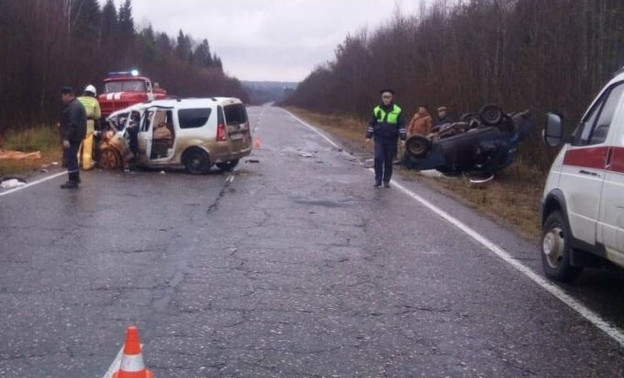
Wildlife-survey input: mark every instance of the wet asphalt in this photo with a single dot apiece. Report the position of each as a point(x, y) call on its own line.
point(293, 265)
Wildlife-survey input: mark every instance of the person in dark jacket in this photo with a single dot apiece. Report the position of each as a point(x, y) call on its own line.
point(73, 131)
point(386, 126)
point(443, 117)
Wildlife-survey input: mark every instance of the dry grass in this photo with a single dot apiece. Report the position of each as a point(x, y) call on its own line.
point(42, 138)
point(512, 198)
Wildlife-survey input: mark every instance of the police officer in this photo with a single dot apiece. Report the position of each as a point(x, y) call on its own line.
point(387, 125)
point(92, 106)
point(73, 130)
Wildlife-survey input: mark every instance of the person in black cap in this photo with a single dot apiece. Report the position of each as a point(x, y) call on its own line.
point(386, 126)
point(73, 131)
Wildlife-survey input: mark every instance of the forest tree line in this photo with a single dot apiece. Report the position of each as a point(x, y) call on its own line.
point(521, 54)
point(46, 44)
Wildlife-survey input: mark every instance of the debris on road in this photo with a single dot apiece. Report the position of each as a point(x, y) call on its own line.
point(12, 182)
point(305, 155)
point(19, 155)
point(252, 161)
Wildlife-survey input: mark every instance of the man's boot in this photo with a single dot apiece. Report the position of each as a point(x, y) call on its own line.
point(73, 181)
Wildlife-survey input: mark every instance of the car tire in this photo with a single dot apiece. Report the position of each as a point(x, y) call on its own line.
point(418, 145)
point(196, 161)
point(467, 117)
point(491, 115)
point(227, 165)
point(110, 159)
point(556, 251)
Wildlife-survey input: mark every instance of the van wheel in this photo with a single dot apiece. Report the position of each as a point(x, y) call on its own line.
point(556, 251)
point(196, 161)
point(227, 165)
point(110, 159)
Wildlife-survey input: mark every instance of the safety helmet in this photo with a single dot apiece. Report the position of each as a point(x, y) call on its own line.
point(91, 89)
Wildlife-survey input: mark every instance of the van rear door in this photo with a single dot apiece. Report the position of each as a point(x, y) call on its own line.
point(237, 127)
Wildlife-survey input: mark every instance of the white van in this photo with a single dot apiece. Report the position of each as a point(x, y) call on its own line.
point(583, 201)
point(191, 133)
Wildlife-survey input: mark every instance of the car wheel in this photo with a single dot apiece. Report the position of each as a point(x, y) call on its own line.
point(467, 117)
point(418, 145)
point(110, 159)
point(556, 250)
point(227, 165)
point(196, 161)
point(491, 115)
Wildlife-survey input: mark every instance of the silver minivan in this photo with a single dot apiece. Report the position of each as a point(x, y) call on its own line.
point(191, 133)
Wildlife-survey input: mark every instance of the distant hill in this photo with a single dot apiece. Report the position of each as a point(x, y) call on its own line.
point(262, 92)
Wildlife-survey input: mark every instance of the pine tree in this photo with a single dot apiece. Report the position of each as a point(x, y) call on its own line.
point(202, 56)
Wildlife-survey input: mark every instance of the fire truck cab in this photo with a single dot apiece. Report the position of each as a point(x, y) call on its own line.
point(123, 89)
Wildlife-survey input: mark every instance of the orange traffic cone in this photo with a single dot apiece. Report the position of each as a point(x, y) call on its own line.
point(256, 142)
point(132, 365)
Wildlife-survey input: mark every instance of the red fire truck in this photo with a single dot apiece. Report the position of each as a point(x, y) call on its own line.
point(122, 89)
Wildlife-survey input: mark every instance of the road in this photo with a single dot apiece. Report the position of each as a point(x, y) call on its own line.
point(291, 266)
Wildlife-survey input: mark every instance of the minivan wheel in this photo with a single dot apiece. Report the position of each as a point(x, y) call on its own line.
point(227, 165)
point(110, 159)
point(556, 251)
point(196, 161)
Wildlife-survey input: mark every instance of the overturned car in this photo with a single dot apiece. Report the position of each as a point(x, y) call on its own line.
point(478, 146)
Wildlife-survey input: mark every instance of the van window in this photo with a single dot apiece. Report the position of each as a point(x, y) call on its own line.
point(193, 118)
point(595, 128)
point(235, 114)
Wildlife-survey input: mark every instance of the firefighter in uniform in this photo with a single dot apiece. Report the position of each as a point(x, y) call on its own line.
point(92, 106)
point(386, 126)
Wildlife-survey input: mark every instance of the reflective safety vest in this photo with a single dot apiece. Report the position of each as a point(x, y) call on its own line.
point(392, 117)
point(92, 106)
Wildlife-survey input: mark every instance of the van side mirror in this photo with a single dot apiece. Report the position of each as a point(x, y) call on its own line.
point(553, 132)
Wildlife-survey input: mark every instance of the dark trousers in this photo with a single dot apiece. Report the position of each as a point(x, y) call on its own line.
point(70, 156)
point(385, 151)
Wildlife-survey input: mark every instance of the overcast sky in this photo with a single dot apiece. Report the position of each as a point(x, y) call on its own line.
point(268, 39)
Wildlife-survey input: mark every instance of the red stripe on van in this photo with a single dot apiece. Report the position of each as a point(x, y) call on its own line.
point(587, 157)
point(617, 160)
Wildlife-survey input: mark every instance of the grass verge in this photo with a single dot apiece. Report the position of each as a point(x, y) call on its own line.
point(41, 138)
point(512, 198)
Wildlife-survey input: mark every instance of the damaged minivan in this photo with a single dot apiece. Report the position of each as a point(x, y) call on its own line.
point(191, 133)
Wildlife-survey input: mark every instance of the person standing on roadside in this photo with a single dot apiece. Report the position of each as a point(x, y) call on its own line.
point(73, 131)
point(443, 117)
point(420, 123)
point(386, 126)
point(92, 107)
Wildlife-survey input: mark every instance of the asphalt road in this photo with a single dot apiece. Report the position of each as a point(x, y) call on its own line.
point(291, 266)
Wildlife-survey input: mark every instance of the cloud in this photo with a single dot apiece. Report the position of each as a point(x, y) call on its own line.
point(270, 39)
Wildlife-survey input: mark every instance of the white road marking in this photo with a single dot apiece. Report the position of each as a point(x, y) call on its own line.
point(116, 364)
point(33, 183)
point(312, 128)
point(610, 330)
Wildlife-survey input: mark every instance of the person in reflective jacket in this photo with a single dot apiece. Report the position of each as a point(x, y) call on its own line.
point(386, 127)
point(92, 107)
